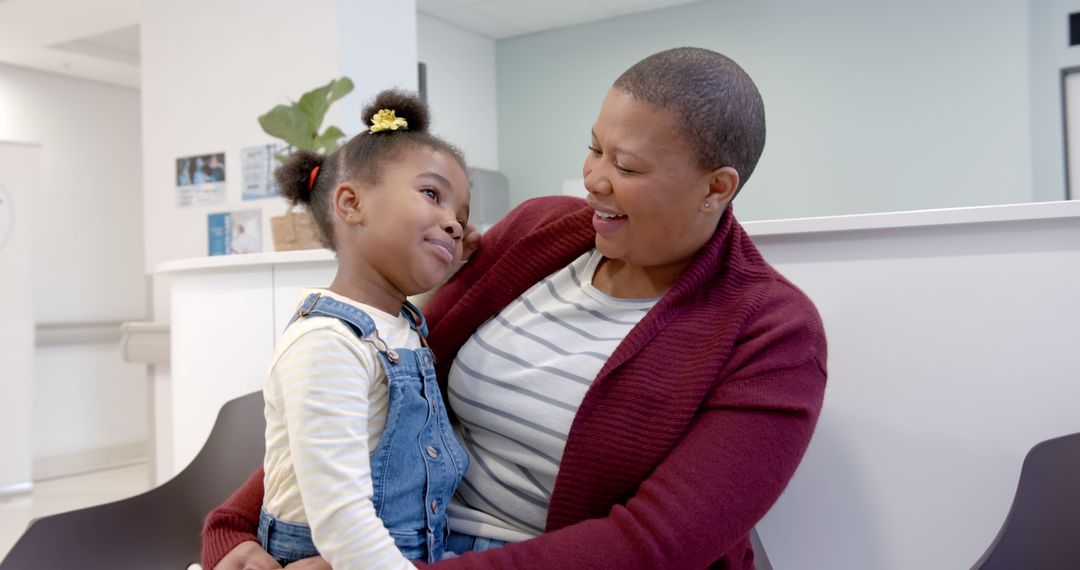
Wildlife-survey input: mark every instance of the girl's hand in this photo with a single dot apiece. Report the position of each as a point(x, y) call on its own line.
point(470, 242)
point(248, 555)
point(316, 563)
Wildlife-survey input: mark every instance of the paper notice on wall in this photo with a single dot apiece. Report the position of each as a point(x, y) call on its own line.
point(234, 232)
point(258, 163)
point(200, 180)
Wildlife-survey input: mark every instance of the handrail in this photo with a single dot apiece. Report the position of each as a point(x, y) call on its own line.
point(69, 333)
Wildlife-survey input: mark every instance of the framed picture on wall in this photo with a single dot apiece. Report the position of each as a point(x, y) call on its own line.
point(200, 180)
point(231, 233)
point(258, 164)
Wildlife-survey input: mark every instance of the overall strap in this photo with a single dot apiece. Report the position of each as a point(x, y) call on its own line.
point(416, 319)
point(356, 319)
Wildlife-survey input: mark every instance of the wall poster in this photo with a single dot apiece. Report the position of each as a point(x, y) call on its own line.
point(234, 232)
point(259, 163)
point(200, 180)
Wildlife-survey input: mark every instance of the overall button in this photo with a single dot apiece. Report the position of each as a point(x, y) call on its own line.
point(435, 506)
point(432, 452)
point(427, 360)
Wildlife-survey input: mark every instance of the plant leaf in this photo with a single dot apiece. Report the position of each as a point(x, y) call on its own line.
point(339, 88)
point(314, 105)
point(317, 101)
point(328, 141)
point(290, 125)
point(298, 123)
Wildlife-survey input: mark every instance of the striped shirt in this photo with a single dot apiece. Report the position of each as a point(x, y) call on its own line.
point(516, 385)
point(326, 402)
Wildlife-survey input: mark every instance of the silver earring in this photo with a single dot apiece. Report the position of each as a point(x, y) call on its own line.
point(708, 205)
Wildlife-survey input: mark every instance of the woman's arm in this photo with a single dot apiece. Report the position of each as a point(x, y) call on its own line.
point(233, 522)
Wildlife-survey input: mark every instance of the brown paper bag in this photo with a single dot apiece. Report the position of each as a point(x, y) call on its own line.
point(295, 230)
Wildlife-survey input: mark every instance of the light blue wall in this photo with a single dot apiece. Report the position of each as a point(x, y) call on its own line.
point(871, 105)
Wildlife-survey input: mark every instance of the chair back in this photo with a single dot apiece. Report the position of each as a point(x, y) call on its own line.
point(761, 559)
point(1040, 531)
point(162, 527)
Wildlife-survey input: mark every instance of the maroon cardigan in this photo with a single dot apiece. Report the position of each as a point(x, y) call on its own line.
point(691, 429)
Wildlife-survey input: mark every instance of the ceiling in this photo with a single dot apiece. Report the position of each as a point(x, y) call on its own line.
point(99, 39)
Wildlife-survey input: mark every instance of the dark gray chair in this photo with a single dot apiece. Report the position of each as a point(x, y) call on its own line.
point(1041, 530)
point(761, 560)
point(161, 528)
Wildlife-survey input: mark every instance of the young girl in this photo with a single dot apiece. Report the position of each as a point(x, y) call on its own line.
point(361, 460)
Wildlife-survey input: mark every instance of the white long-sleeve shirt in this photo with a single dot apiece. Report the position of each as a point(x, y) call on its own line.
point(326, 401)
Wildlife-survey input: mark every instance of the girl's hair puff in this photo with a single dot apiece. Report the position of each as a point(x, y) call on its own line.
point(363, 159)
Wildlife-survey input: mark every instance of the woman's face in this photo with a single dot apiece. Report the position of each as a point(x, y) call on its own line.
point(646, 186)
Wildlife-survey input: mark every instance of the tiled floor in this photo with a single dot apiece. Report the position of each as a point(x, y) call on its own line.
point(59, 495)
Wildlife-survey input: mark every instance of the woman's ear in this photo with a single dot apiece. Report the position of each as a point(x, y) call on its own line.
point(348, 204)
point(723, 183)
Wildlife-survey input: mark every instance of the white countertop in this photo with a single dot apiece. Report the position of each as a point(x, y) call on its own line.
point(918, 218)
point(854, 222)
point(245, 260)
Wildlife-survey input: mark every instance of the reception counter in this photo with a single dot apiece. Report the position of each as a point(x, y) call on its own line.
point(954, 346)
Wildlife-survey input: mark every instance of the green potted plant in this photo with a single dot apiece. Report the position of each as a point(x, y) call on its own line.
point(299, 124)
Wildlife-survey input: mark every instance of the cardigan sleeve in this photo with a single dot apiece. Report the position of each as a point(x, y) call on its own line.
point(234, 521)
point(703, 499)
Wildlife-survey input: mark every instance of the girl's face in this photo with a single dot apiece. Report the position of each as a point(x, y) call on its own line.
point(646, 186)
point(412, 221)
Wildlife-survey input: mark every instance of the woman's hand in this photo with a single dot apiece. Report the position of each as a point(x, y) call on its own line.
point(249, 555)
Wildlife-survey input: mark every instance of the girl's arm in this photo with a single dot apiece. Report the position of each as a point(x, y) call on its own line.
point(322, 386)
point(324, 396)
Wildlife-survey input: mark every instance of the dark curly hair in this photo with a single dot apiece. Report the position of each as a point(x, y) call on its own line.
point(721, 111)
point(362, 159)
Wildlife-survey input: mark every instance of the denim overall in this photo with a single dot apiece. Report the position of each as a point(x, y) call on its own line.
point(418, 462)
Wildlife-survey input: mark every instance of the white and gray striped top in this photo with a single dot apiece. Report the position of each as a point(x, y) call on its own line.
point(516, 386)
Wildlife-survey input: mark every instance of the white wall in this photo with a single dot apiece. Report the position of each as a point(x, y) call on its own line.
point(461, 88)
point(20, 173)
point(87, 252)
point(90, 218)
point(871, 106)
point(952, 351)
point(88, 401)
point(204, 96)
point(209, 69)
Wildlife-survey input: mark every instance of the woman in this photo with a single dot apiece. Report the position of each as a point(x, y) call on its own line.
point(634, 383)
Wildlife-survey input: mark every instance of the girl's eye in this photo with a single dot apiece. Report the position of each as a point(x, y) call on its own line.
point(434, 195)
point(594, 150)
point(623, 169)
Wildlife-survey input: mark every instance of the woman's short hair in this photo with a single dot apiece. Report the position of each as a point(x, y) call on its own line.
point(719, 108)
